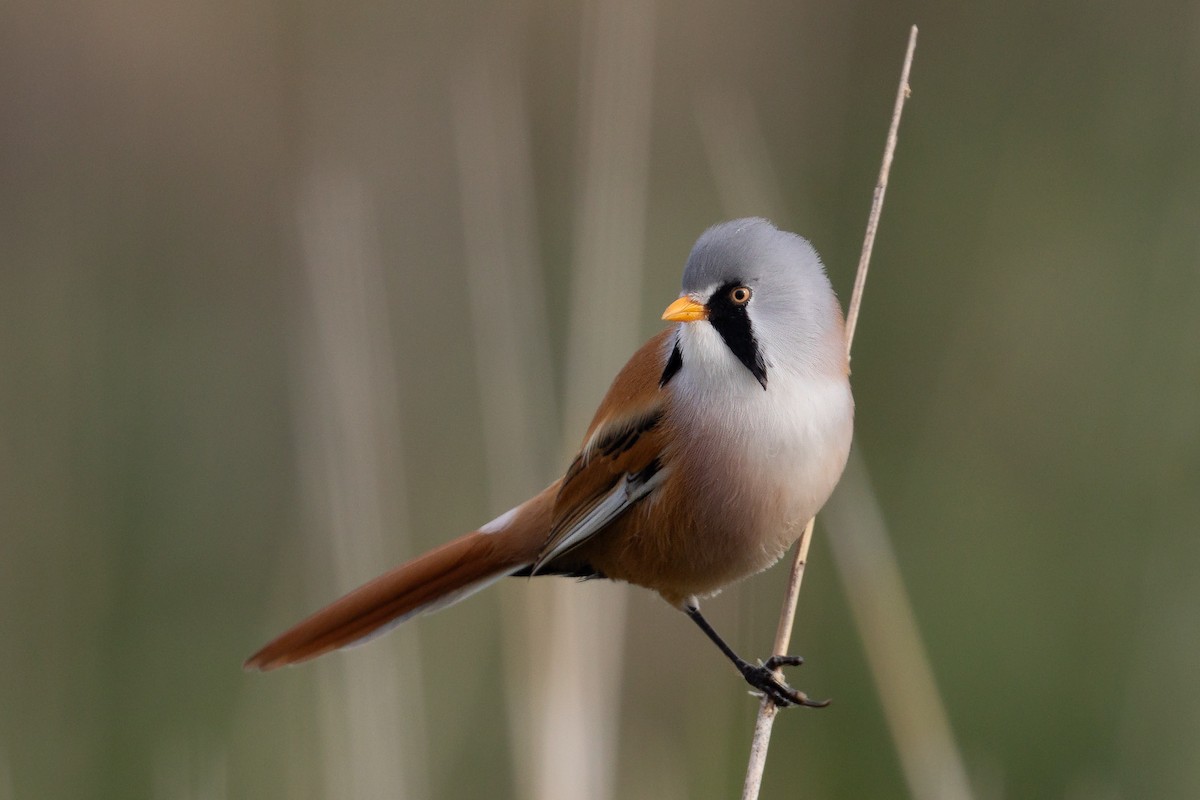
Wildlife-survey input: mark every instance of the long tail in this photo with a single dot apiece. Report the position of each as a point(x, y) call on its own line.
point(431, 582)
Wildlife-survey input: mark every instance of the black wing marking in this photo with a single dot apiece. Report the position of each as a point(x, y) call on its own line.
point(614, 440)
point(674, 364)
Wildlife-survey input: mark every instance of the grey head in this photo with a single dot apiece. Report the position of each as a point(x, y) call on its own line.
point(766, 294)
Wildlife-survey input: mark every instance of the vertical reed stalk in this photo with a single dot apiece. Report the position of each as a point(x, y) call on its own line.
point(588, 627)
point(349, 444)
point(916, 717)
point(512, 358)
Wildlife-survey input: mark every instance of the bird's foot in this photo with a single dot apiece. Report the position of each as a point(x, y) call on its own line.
point(762, 677)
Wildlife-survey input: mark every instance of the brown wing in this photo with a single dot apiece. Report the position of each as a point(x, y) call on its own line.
point(621, 461)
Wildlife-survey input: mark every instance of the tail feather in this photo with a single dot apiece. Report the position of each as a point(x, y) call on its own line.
point(433, 581)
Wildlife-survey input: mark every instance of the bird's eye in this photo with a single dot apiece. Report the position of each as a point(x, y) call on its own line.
point(740, 295)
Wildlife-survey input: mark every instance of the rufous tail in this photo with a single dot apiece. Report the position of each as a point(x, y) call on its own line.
point(439, 578)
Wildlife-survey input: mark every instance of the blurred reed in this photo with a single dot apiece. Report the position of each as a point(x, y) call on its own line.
point(186, 773)
point(737, 154)
point(588, 627)
point(570, 667)
point(513, 363)
point(372, 734)
point(883, 615)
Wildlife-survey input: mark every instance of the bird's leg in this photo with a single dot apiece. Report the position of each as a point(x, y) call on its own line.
point(761, 676)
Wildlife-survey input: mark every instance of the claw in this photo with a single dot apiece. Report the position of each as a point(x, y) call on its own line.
point(817, 703)
point(763, 678)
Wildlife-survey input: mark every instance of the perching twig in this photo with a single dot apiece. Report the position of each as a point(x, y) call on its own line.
point(783, 634)
point(889, 149)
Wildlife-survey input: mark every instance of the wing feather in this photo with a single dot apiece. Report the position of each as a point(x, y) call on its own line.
point(622, 460)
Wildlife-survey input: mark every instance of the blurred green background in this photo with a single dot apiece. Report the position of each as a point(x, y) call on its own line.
point(290, 292)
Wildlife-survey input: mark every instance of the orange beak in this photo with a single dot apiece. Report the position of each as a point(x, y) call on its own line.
point(685, 309)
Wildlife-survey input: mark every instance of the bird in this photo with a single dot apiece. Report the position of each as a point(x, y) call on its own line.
point(717, 442)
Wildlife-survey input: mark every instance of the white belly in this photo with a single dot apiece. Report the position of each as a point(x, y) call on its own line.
point(770, 458)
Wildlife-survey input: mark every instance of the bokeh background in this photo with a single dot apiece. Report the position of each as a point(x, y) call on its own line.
point(292, 291)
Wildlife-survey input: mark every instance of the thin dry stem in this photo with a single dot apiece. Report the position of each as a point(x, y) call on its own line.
point(767, 710)
point(889, 150)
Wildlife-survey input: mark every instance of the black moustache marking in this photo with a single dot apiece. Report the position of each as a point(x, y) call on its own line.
point(733, 323)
